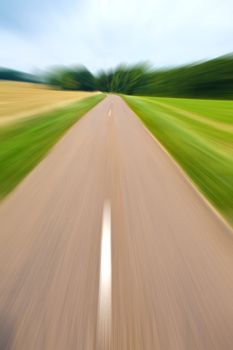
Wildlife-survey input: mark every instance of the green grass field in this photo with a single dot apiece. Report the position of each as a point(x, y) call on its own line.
point(199, 135)
point(25, 143)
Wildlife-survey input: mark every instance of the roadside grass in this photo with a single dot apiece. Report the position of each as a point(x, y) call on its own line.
point(24, 144)
point(202, 148)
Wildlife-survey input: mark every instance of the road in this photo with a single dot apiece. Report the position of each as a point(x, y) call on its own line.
point(106, 245)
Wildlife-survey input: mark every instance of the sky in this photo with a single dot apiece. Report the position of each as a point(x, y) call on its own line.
point(103, 33)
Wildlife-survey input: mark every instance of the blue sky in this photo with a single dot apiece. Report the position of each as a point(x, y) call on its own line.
point(103, 33)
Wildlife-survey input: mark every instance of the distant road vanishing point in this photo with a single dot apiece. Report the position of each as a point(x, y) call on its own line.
point(106, 245)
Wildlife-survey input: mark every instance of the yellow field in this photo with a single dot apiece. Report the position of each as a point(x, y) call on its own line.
point(20, 100)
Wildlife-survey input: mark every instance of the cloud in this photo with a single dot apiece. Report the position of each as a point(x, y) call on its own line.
point(102, 33)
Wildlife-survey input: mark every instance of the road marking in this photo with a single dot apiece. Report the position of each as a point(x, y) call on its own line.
point(110, 112)
point(105, 286)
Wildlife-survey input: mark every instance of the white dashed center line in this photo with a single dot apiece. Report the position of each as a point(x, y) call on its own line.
point(105, 286)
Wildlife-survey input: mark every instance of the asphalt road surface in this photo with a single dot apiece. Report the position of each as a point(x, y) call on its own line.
point(106, 245)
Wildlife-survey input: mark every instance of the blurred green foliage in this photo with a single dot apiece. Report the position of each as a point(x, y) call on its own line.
point(79, 78)
point(15, 75)
point(210, 79)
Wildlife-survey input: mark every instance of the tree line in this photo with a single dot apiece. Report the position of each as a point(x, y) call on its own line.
point(209, 79)
point(15, 75)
